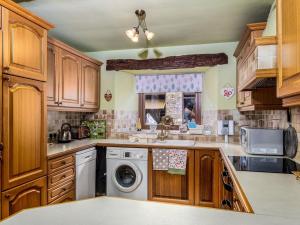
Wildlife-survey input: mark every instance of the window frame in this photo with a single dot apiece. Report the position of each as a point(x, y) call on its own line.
point(141, 108)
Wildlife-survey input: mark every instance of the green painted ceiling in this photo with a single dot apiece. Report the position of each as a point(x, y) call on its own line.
point(96, 25)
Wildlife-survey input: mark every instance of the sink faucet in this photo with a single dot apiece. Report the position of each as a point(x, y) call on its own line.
point(165, 124)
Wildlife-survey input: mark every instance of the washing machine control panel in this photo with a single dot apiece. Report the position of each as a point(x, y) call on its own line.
point(133, 155)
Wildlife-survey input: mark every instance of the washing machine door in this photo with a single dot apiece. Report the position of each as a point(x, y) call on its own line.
point(127, 176)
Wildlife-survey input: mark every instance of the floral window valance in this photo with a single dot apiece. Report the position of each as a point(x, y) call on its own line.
point(169, 83)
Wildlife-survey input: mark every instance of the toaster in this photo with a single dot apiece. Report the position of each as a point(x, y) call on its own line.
point(80, 132)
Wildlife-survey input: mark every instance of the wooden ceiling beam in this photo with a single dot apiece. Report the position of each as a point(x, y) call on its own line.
point(172, 62)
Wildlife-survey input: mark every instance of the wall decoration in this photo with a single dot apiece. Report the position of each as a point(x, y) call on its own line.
point(228, 91)
point(108, 95)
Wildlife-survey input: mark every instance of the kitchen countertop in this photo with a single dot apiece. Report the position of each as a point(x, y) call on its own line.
point(116, 211)
point(268, 194)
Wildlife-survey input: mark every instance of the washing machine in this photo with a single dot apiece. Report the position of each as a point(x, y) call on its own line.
point(127, 173)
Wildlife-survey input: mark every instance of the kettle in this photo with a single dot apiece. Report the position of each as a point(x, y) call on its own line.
point(64, 134)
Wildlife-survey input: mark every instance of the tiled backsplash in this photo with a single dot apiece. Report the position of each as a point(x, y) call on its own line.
point(56, 119)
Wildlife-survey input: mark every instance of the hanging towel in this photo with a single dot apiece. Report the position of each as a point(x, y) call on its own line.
point(160, 159)
point(177, 162)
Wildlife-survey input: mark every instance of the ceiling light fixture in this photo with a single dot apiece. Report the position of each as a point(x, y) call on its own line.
point(133, 33)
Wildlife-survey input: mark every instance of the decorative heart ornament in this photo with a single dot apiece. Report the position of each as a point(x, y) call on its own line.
point(227, 92)
point(108, 95)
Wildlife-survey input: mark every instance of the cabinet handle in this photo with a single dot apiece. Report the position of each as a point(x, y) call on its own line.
point(226, 204)
point(63, 163)
point(5, 78)
point(227, 187)
point(64, 189)
point(6, 69)
point(63, 176)
point(81, 104)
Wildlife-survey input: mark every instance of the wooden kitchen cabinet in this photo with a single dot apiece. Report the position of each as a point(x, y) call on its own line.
point(207, 178)
point(90, 85)
point(53, 76)
point(256, 70)
point(73, 79)
point(70, 80)
point(61, 179)
point(166, 187)
point(24, 136)
point(288, 79)
point(24, 47)
point(32, 194)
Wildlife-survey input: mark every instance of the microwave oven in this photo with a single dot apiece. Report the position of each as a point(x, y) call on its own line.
point(262, 141)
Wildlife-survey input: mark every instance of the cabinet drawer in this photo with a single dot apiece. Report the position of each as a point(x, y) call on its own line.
point(61, 176)
point(58, 191)
point(60, 163)
point(70, 196)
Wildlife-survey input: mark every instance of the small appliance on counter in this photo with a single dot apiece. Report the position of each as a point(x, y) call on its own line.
point(226, 128)
point(64, 134)
point(262, 141)
point(80, 132)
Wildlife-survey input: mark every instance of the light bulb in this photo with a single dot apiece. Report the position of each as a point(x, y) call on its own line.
point(149, 35)
point(135, 38)
point(131, 33)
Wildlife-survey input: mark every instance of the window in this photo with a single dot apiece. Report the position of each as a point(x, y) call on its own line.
point(152, 107)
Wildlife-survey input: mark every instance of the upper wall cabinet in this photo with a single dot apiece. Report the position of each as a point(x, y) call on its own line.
point(256, 70)
point(90, 85)
point(73, 79)
point(288, 81)
point(24, 47)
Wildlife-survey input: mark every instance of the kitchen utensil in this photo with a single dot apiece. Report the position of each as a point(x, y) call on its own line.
point(290, 138)
point(65, 133)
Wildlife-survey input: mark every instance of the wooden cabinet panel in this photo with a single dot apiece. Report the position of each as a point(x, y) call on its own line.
point(32, 194)
point(172, 188)
point(53, 76)
point(70, 196)
point(25, 47)
point(288, 80)
point(60, 163)
point(24, 136)
point(61, 176)
point(90, 85)
point(207, 178)
point(70, 80)
point(60, 190)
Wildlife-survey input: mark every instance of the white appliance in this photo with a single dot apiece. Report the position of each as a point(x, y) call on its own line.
point(225, 127)
point(86, 173)
point(127, 173)
point(258, 141)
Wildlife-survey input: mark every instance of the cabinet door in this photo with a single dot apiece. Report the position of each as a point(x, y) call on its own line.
point(167, 187)
point(53, 77)
point(70, 79)
point(288, 81)
point(25, 47)
point(29, 195)
point(24, 126)
point(70, 196)
point(207, 178)
point(90, 85)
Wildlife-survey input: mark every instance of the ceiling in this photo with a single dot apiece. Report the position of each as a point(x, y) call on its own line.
point(97, 25)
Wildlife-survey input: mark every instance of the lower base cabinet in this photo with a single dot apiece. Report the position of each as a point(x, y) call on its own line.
point(70, 196)
point(207, 178)
point(165, 187)
point(29, 195)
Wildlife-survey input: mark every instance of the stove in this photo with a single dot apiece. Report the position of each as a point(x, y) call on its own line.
point(264, 164)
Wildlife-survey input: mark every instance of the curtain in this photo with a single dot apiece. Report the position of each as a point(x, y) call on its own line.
point(169, 83)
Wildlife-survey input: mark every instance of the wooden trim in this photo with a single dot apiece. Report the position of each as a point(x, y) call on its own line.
point(292, 101)
point(266, 73)
point(172, 62)
point(72, 50)
point(67, 109)
point(250, 27)
point(260, 107)
point(269, 40)
point(26, 13)
point(236, 184)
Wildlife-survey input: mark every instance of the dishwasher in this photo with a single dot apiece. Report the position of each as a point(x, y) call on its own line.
point(86, 173)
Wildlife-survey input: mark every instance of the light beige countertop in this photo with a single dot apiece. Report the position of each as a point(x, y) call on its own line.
point(116, 211)
point(269, 194)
